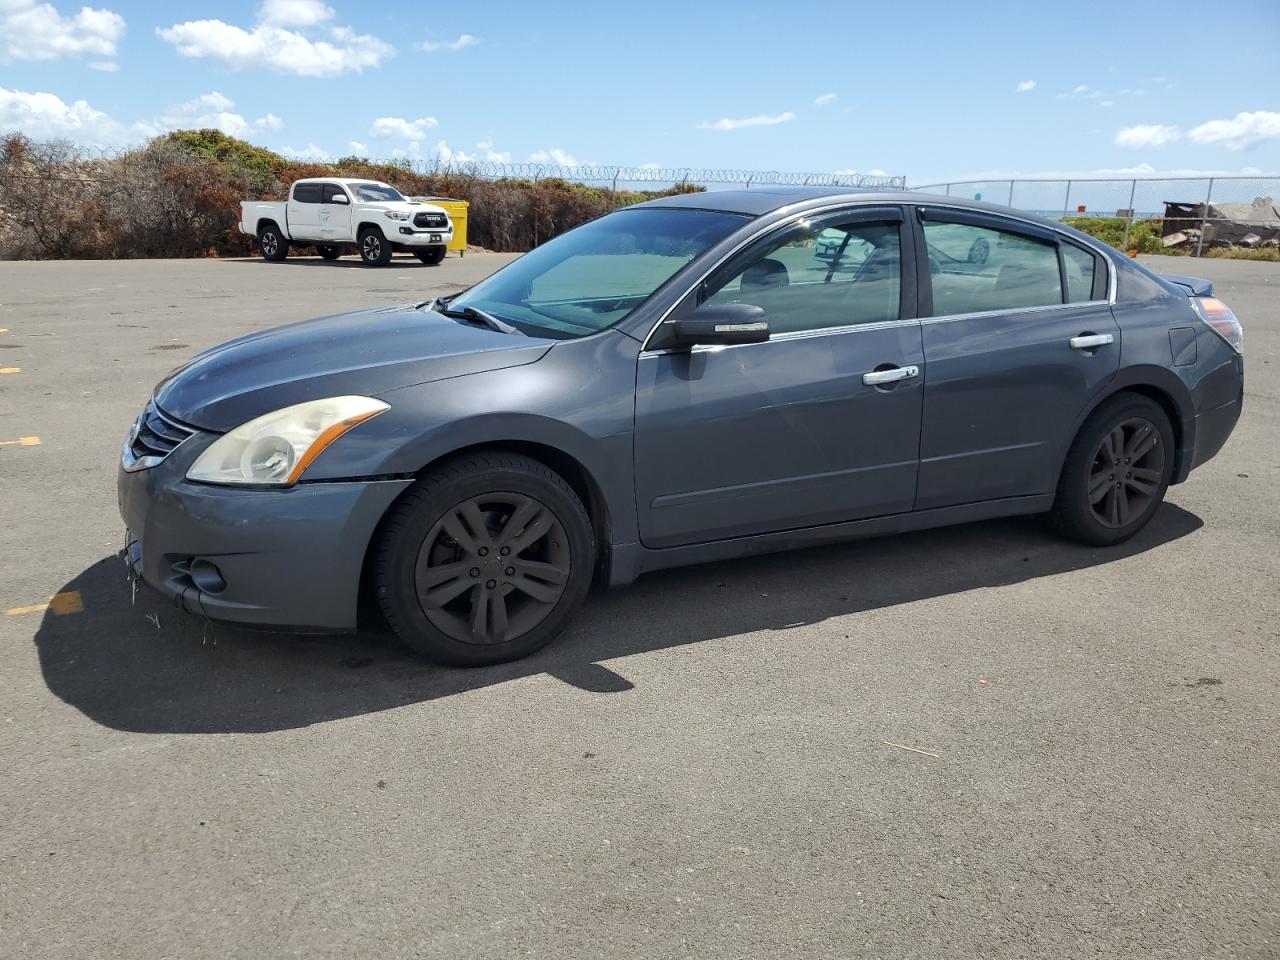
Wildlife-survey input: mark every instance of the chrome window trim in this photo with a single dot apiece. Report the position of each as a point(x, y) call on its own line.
point(949, 317)
point(784, 337)
point(911, 206)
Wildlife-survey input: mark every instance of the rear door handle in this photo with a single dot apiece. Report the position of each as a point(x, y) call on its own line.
point(878, 378)
point(1091, 340)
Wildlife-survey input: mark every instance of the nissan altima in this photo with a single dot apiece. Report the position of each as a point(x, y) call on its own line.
point(687, 380)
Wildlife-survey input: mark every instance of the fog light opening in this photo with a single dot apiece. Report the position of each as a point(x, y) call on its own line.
point(206, 576)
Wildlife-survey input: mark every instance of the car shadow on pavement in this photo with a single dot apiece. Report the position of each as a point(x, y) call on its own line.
point(349, 260)
point(149, 668)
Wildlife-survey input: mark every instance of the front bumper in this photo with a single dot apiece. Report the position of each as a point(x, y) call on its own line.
point(410, 236)
point(290, 557)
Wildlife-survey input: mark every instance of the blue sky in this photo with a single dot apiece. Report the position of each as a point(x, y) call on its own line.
point(930, 90)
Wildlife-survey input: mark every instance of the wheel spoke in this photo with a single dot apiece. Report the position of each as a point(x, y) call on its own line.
point(548, 572)
point(1141, 448)
point(1113, 444)
point(1120, 506)
point(541, 592)
point(533, 531)
point(438, 585)
point(480, 615)
point(1139, 485)
point(465, 523)
point(519, 519)
point(498, 623)
point(1099, 484)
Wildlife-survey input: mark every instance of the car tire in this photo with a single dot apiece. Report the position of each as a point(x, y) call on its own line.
point(1116, 472)
point(432, 256)
point(328, 251)
point(447, 547)
point(375, 250)
point(272, 244)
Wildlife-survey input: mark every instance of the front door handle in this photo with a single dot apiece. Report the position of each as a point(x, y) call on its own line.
point(1088, 341)
point(877, 378)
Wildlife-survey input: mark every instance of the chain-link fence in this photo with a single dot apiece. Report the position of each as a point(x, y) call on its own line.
point(1177, 214)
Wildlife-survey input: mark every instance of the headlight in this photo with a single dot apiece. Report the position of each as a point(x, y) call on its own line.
point(395, 215)
point(277, 447)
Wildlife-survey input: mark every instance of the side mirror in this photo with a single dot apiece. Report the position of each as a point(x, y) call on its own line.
point(339, 198)
point(723, 324)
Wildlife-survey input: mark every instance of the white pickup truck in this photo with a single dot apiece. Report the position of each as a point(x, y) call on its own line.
point(335, 213)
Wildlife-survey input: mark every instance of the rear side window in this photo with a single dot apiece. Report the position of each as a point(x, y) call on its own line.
point(974, 269)
point(306, 193)
point(1079, 266)
point(810, 278)
point(332, 190)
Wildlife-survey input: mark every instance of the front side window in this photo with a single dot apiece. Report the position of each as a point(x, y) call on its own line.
point(975, 269)
point(813, 278)
point(593, 276)
point(306, 193)
point(332, 190)
point(376, 193)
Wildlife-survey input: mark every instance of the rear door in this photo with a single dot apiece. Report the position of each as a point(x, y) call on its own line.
point(335, 217)
point(1018, 336)
point(303, 211)
point(819, 424)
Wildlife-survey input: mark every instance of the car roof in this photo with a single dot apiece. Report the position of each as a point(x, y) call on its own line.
point(761, 201)
point(339, 180)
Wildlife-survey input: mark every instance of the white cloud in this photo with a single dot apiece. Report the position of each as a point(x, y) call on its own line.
point(294, 13)
point(271, 45)
point(760, 120)
point(269, 122)
point(209, 110)
point(309, 152)
point(46, 116)
point(106, 66)
point(561, 158)
point(1025, 86)
point(1083, 88)
point(1147, 135)
point(37, 31)
point(1242, 131)
point(358, 149)
point(823, 100)
point(464, 41)
point(386, 128)
point(1107, 103)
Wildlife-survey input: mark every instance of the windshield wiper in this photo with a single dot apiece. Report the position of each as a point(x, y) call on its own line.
point(486, 319)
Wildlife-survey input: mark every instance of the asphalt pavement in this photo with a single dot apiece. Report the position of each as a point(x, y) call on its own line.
point(973, 742)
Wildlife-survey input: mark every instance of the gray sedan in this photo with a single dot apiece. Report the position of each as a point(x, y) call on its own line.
point(688, 380)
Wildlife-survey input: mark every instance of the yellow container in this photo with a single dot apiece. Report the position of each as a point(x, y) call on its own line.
point(457, 210)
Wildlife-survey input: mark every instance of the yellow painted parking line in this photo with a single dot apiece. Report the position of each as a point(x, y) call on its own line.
point(10, 369)
point(21, 442)
point(60, 604)
point(4, 329)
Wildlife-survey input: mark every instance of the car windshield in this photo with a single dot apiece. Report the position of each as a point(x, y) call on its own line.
point(592, 277)
point(375, 192)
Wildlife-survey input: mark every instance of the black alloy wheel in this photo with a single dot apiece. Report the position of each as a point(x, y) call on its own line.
point(485, 559)
point(1116, 472)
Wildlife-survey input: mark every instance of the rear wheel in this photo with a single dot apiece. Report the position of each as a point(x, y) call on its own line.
point(484, 560)
point(1116, 473)
point(328, 251)
point(432, 256)
point(272, 244)
point(374, 248)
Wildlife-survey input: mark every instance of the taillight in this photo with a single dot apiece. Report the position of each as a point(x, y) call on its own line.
point(1220, 319)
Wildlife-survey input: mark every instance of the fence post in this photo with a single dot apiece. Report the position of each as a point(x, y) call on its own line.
point(1204, 217)
point(1010, 203)
point(1066, 201)
point(948, 189)
point(1128, 220)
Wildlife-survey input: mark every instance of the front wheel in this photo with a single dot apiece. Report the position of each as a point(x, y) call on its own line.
point(272, 244)
point(484, 560)
point(374, 248)
point(432, 256)
point(1116, 472)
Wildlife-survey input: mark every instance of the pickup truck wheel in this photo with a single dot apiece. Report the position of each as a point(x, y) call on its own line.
point(374, 248)
point(328, 252)
point(432, 256)
point(272, 244)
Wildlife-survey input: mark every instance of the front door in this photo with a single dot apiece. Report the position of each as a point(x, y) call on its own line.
point(1020, 336)
point(335, 214)
point(818, 425)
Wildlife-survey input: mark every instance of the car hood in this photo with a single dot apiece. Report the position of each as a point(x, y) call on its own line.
point(403, 206)
point(367, 353)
